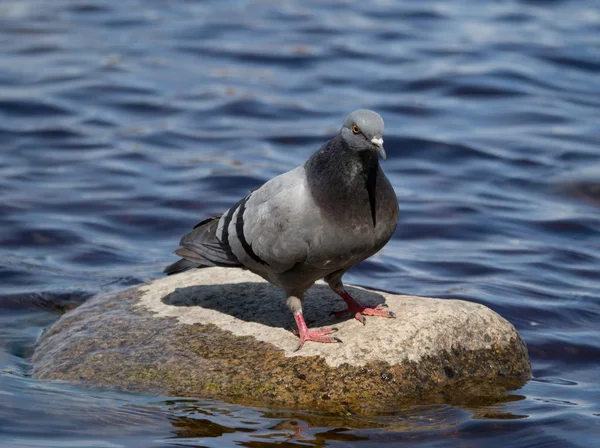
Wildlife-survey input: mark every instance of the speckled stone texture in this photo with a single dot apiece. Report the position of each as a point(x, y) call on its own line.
point(224, 333)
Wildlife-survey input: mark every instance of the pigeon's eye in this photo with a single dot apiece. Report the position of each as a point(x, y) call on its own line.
point(355, 129)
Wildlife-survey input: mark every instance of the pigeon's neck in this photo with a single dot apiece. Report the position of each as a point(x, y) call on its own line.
point(339, 176)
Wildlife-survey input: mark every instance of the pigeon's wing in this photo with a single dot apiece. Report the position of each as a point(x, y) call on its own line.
point(267, 231)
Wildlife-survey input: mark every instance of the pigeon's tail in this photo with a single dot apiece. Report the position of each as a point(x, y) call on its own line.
point(181, 266)
point(201, 248)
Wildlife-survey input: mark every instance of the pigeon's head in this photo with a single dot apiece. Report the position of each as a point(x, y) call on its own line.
point(363, 131)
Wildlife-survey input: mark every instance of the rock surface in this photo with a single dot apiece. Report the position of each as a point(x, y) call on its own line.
point(225, 333)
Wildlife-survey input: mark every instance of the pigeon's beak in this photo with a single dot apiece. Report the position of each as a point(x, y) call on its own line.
point(378, 142)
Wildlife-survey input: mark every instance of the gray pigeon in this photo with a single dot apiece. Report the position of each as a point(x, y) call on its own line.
point(315, 221)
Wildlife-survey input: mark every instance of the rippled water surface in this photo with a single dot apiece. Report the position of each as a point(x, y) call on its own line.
point(122, 124)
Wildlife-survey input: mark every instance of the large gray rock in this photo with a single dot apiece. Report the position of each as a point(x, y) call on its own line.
point(224, 333)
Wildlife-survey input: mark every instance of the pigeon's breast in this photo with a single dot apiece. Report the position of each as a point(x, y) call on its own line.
point(348, 234)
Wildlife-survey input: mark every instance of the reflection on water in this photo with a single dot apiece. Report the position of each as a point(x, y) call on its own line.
point(124, 123)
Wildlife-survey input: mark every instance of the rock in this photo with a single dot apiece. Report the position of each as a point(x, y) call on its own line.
point(225, 333)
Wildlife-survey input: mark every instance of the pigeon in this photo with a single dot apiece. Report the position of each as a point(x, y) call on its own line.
point(313, 222)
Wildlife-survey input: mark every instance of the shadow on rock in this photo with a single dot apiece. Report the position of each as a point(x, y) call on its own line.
point(265, 304)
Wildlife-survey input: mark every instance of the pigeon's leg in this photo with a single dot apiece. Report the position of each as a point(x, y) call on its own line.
point(295, 305)
point(355, 307)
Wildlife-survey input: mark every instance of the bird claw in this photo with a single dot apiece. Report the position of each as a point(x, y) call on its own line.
point(359, 317)
point(320, 332)
point(317, 336)
point(360, 312)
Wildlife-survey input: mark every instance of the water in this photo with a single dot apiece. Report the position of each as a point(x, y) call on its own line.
point(122, 124)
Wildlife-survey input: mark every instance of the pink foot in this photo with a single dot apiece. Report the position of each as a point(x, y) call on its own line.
point(358, 310)
point(312, 335)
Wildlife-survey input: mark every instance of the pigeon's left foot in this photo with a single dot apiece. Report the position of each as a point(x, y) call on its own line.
point(312, 335)
point(359, 311)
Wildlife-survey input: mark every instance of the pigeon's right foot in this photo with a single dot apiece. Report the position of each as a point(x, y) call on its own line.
point(312, 335)
point(317, 336)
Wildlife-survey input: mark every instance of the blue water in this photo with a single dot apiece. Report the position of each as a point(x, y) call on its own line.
point(122, 124)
